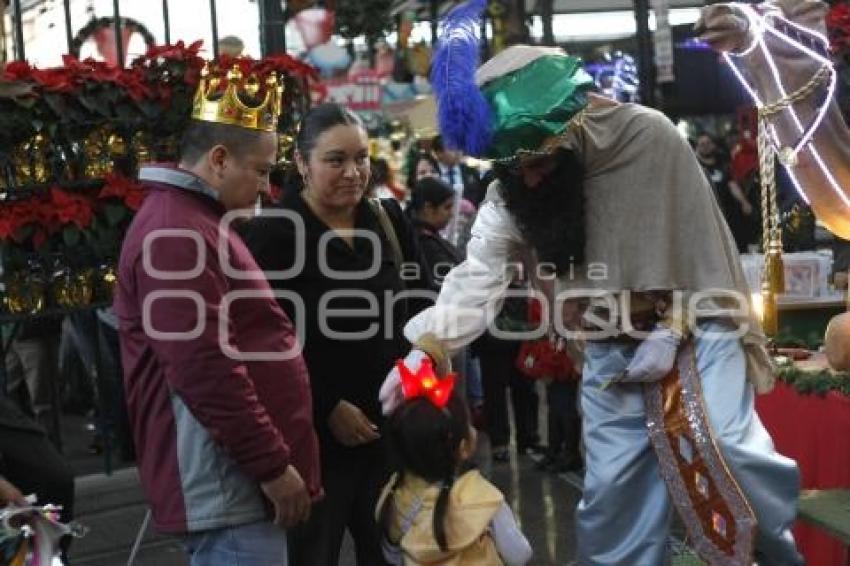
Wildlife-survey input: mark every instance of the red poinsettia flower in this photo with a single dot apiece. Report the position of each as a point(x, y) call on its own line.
point(72, 208)
point(177, 51)
point(35, 213)
point(838, 26)
point(7, 223)
point(54, 80)
point(163, 93)
point(287, 64)
point(17, 71)
point(127, 190)
point(133, 81)
point(838, 16)
point(245, 64)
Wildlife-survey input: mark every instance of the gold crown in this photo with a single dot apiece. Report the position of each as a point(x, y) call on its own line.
point(211, 105)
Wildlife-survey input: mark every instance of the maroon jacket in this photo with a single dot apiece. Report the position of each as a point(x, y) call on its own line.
point(208, 427)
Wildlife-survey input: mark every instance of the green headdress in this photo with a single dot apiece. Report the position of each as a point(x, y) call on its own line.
point(520, 99)
point(533, 94)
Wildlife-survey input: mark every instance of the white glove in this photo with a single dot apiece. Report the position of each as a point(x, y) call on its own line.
point(654, 358)
point(391, 395)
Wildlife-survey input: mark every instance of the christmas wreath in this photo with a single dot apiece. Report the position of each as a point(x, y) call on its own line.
point(95, 25)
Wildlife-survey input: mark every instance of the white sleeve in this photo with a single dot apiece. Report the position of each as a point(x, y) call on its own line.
point(473, 292)
point(511, 544)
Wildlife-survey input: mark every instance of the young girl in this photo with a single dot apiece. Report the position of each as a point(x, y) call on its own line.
point(432, 511)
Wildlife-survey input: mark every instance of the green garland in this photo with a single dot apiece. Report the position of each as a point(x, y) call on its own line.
point(813, 382)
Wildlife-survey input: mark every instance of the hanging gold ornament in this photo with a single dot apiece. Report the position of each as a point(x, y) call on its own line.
point(140, 148)
point(30, 161)
point(773, 279)
point(770, 314)
point(98, 153)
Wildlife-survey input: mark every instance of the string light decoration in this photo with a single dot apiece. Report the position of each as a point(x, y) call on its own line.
point(816, 46)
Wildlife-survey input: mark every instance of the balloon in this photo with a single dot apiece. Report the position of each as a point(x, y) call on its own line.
point(316, 26)
point(329, 58)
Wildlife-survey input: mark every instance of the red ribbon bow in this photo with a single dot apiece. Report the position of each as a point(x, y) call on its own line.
point(425, 383)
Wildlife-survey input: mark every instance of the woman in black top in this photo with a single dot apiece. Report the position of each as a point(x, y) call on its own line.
point(349, 260)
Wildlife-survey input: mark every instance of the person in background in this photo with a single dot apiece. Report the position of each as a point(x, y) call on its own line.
point(462, 178)
point(546, 359)
point(744, 171)
point(352, 323)
point(431, 206)
point(422, 165)
point(737, 209)
point(382, 182)
point(231, 46)
point(31, 464)
point(435, 509)
point(218, 394)
point(32, 362)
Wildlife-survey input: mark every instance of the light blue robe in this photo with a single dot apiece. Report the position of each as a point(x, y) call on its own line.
point(625, 512)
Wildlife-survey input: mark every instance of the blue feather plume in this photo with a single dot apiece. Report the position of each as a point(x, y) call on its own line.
point(463, 113)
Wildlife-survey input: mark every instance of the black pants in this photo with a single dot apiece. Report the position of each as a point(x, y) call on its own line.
point(102, 361)
point(32, 463)
point(563, 420)
point(352, 487)
point(498, 372)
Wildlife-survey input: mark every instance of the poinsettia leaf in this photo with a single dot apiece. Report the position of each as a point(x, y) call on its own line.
point(89, 102)
point(100, 105)
point(149, 108)
point(24, 233)
point(26, 101)
point(71, 236)
point(125, 112)
point(115, 213)
point(56, 103)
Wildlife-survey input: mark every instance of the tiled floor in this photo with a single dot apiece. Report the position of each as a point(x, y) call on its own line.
point(113, 508)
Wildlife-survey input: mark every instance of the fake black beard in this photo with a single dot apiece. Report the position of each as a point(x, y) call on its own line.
point(551, 215)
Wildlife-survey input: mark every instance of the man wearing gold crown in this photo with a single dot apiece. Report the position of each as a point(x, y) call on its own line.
point(217, 390)
point(613, 205)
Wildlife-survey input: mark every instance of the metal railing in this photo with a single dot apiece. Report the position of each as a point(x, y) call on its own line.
point(18, 27)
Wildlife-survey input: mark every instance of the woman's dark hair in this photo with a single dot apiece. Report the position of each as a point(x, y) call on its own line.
point(380, 171)
point(550, 216)
point(320, 119)
point(317, 121)
point(429, 190)
point(414, 163)
point(425, 440)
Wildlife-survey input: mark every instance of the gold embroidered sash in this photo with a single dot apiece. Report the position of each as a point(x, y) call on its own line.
point(716, 514)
